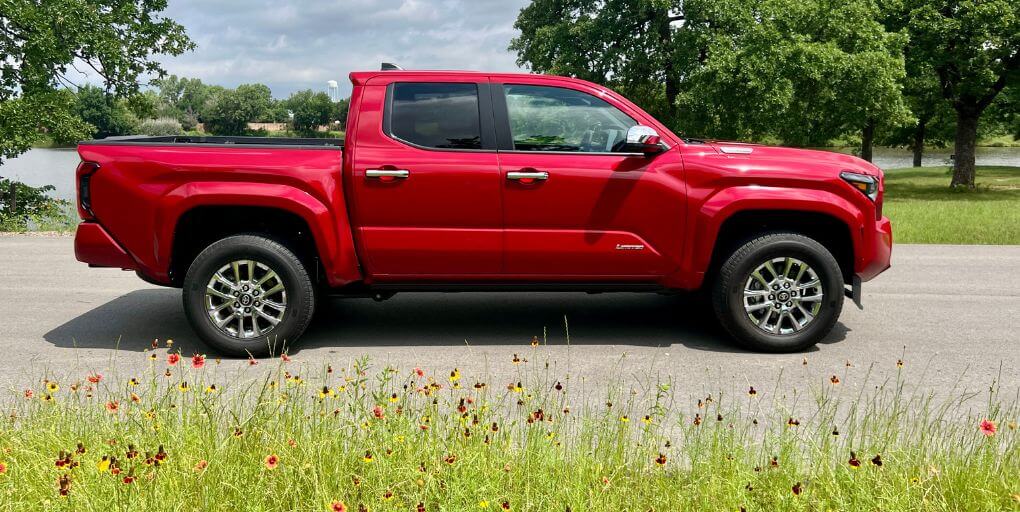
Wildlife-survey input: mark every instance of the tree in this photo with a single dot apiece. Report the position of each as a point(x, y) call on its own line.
point(106, 114)
point(974, 49)
point(229, 111)
point(341, 109)
point(186, 97)
point(807, 71)
point(310, 109)
point(39, 41)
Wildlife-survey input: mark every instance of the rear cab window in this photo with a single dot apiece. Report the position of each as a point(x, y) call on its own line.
point(445, 116)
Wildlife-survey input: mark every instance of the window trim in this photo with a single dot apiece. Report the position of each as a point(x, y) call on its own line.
point(485, 117)
point(504, 137)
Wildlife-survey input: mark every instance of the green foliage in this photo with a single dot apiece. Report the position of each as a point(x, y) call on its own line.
point(229, 111)
point(160, 126)
point(39, 41)
point(108, 115)
point(33, 206)
point(186, 98)
point(310, 110)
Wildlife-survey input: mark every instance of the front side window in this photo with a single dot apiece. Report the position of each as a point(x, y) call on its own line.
point(436, 115)
point(556, 119)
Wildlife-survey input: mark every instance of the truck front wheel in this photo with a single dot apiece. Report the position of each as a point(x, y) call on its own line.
point(248, 295)
point(780, 292)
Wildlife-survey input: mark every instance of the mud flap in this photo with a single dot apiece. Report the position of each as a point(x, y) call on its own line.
point(854, 292)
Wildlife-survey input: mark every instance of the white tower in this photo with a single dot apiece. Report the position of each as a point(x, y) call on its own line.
point(334, 90)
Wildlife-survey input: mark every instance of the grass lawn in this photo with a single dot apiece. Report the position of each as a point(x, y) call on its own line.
point(924, 210)
point(183, 436)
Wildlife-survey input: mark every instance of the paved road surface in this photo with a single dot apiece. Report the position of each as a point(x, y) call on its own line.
point(951, 312)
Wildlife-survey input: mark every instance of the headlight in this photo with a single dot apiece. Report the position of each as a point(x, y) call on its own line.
point(868, 185)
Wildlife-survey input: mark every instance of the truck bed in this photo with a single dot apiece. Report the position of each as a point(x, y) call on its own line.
point(174, 140)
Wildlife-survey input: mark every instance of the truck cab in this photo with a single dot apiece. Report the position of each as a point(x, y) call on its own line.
point(454, 181)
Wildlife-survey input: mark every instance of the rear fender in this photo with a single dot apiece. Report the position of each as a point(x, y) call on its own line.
point(331, 230)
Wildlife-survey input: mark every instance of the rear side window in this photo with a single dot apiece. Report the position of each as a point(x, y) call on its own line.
point(438, 115)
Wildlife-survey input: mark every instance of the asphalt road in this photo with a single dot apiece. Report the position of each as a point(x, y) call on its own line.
point(952, 313)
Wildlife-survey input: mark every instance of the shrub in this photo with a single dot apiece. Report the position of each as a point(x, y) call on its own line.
point(161, 126)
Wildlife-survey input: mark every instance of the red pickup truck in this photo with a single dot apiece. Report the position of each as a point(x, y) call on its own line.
point(460, 181)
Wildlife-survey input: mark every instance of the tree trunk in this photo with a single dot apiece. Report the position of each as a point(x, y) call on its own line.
point(919, 142)
point(966, 140)
point(12, 198)
point(868, 140)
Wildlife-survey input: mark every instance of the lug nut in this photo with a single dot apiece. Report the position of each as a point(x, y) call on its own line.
point(789, 304)
point(257, 303)
point(787, 286)
point(772, 297)
point(247, 310)
point(237, 294)
point(237, 304)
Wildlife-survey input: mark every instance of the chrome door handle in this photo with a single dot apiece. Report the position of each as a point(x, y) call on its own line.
point(387, 173)
point(522, 175)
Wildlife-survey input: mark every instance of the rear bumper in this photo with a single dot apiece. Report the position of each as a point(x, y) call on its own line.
point(93, 245)
point(879, 258)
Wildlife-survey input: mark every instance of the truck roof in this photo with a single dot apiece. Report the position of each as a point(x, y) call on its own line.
point(362, 77)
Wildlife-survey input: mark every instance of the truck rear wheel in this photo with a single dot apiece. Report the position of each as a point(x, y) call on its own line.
point(780, 292)
point(248, 295)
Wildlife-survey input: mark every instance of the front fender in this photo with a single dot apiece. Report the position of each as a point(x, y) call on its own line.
point(709, 218)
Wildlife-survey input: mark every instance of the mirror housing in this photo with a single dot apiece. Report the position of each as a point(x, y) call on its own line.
point(643, 139)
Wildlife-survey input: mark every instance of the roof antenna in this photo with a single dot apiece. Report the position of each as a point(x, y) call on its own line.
point(386, 66)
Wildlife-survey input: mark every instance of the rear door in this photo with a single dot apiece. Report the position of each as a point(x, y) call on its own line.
point(426, 180)
point(575, 206)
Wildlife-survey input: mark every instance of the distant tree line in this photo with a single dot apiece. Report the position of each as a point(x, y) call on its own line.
point(801, 72)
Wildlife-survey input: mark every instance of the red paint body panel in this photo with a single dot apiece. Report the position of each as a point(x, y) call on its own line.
point(456, 218)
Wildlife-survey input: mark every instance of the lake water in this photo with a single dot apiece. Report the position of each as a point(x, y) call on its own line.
point(56, 167)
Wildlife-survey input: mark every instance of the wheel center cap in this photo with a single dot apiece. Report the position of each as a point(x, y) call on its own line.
point(783, 296)
point(245, 300)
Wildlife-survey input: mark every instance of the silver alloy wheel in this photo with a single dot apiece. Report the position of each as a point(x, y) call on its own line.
point(245, 299)
point(783, 295)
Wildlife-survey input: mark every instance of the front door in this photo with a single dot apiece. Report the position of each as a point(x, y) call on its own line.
point(426, 182)
point(575, 206)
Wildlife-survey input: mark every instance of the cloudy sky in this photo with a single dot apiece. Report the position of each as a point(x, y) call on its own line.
point(291, 45)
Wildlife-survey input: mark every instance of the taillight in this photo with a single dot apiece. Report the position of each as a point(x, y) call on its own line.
point(84, 173)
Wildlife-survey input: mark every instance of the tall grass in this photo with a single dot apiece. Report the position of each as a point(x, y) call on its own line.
point(278, 438)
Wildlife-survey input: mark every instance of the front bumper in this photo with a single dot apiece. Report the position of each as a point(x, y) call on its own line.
point(879, 257)
point(93, 245)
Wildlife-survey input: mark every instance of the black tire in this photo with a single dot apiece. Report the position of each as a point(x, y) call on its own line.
point(728, 292)
point(300, 295)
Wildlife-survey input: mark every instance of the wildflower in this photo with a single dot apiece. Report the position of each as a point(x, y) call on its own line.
point(420, 507)
point(173, 358)
point(64, 485)
point(197, 361)
point(914, 480)
point(624, 419)
point(505, 505)
point(131, 452)
point(169, 343)
point(210, 389)
point(534, 341)
point(272, 462)
point(154, 344)
point(167, 373)
point(516, 360)
point(450, 459)
point(183, 386)
point(325, 392)
point(377, 411)
point(393, 398)
point(337, 506)
point(854, 462)
point(752, 391)
point(605, 481)
point(80, 450)
point(774, 463)
point(252, 361)
point(161, 454)
point(28, 394)
point(284, 357)
point(356, 481)
point(112, 406)
point(877, 460)
point(834, 380)
point(647, 420)
point(152, 357)
point(661, 459)
point(899, 363)
point(516, 388)
point(558, 386)
point(1011, 425)
point(52, 387)
point(94, 378)
point(3, 469)
point(133, 382)
point(987, 428)
point(135, 398)
point(835, 431)
point(46, 398)
point(387, 496)
point(796, 489)
point(483, 504)
point(128, 480)
point(455, 375)
point(104, 464)
point(368, 457)
point(419, 372)
point(792, 422)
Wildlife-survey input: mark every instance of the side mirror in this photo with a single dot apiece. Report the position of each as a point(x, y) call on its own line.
point(643, 139)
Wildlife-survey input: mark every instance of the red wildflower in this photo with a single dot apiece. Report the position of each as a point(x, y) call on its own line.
point(252, 361)
point(285, 358)
point(337, 506)
point(112, 406)
point(377, 411)
point(29, 394)
point(419, 372)
point(854, 462)
point(987, 427)
point(796, 489)
point(272, 462)
point(128, 480)
point(197, 361)
point(3, 468)
point(94, 378)
point(173, 358)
